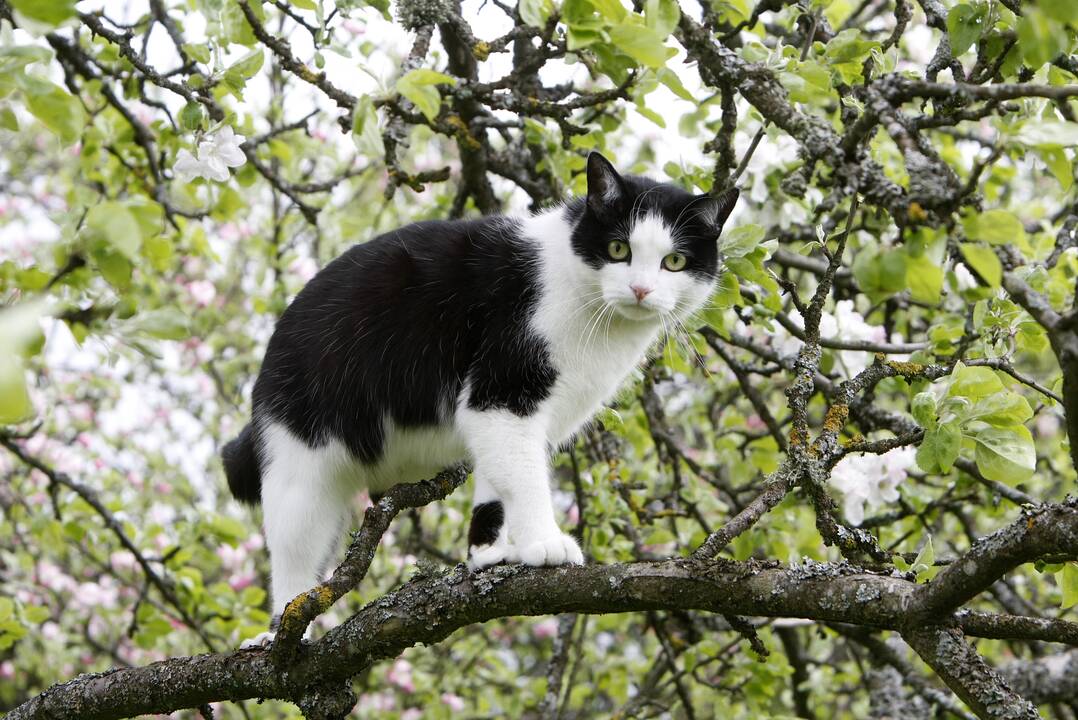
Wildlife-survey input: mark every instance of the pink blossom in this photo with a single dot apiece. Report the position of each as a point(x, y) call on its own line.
point(412, 714)
point(382, 702)
point(254, 542)
point(241, 580)
point(232, 557)
point(97, 595)
point(82, 412)
point(7, 670)
point(454, 702)
point(122, 560)
point(401, 675)
point(546, 628)
point(202, 292)
point(50, 631)
point(53, 578)
point(573, 515)
point(352, 27)
point(303, 268)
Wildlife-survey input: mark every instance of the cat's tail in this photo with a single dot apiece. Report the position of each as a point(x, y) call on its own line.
point(241, 467)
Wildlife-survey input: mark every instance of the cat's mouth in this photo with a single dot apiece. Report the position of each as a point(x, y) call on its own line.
point(636, 311)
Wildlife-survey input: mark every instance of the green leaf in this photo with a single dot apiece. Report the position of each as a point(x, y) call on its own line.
point(419, 87)
point(996, 227)
point(228, 529)
point(881, 274)
point(199, 52)
point(249, 64)
point(611, 420)
point(304, 4)
point(114, 267)
point(8, 121)
point(984, 261)
point(727, 291)
point(923, 564)
point(662, 16)
point(965, 25)
point(1060, 166)
point(536, 12)
point(670, 79)
point(973, 382)
point(57, 110)
point(612, 10)
point(50, 12)
point(112, 223)
point(166, 323)
point(1048, 133)
point(35, 614)
point(1064, 11)
point(923, 409)
point(650, 114)
point(1006, 455)
point(1067, 578)
point(642, 44)
point(940, 448)
point(1004, 409)
point(191, 116)
point(1040, 38)
point(19, 327)
point(925, 279)
point(741, 241)
point(252, 596)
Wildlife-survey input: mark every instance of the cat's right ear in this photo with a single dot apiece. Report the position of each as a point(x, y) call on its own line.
point(605, 187)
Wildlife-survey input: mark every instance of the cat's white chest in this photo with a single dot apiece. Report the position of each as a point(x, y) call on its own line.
point(590, 372)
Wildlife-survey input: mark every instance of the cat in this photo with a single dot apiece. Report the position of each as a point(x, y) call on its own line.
point(490, 340)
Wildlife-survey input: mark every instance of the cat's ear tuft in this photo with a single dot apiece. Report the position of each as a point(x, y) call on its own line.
point(605, 186)
point(714, 210)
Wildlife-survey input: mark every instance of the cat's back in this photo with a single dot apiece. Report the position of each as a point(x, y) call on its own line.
point(388, 330)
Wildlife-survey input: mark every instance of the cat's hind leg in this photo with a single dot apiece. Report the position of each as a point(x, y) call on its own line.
point(305, 505)
point(488, 535)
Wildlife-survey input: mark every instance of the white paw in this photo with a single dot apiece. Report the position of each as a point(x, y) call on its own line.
point(259, 641)
point(483, 556)
point(554, 549)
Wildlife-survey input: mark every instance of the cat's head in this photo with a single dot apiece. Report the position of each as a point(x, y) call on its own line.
point(653, 245)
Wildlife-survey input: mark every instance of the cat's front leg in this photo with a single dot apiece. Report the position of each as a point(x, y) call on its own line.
point(510, 457)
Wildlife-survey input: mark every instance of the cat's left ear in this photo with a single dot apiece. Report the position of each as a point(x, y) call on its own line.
point(713, 211)
point(605, 186)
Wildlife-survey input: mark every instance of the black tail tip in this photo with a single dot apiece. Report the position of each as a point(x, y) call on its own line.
point(241, 468)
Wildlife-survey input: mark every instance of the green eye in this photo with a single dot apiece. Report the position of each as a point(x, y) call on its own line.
point(617, 250)
point(675, 262)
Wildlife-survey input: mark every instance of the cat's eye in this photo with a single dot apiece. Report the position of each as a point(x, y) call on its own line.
point(617, 250)
point(675, 262)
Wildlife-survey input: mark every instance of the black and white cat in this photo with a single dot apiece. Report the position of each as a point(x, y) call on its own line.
point(490, 340)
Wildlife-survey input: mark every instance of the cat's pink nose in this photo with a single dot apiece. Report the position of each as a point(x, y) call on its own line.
point(640, 291)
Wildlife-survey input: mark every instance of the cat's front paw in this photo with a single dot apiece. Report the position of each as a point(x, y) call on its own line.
point(557, 548)
point(261, 640)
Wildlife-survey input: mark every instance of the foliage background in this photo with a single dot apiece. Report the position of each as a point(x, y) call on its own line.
point(136, 308)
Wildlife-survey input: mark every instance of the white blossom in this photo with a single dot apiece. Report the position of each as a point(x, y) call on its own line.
point(216, 154)
point(872, 479)
point(965, 278)
point(844, 324)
